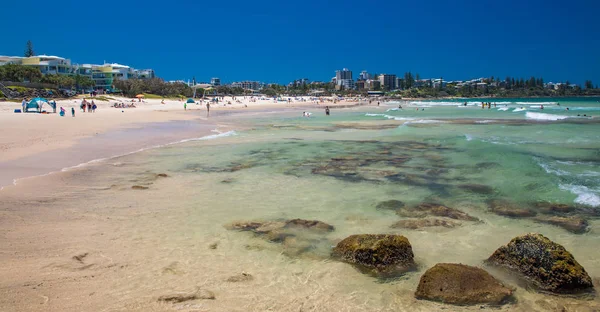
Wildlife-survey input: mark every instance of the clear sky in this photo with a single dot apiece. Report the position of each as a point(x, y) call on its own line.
point(279, 40)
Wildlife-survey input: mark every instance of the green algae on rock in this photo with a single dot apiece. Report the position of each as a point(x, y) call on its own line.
point(461, 285)
point(548, 265)
point(381, 255)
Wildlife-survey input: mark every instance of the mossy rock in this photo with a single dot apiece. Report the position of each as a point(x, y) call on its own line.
point(462, 285)
point(548, 265)
point(380, 255)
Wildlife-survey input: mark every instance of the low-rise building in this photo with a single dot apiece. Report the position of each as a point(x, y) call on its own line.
point(248, 85)
point(373, 85)
point(103, 75)
point(360, 85)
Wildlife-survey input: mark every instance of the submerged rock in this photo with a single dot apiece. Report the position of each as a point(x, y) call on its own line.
point(243, 277)
point(162, 175)
point(139, 187)
point(377, 254)
point(309, 224)
point(390, 205)
point(572, 224)
point(509, 209)
point(182, 297)
point(414, 224)
point(433, 209)
point(477, 188)
point(462, 285)
point(553, 208)
point(548, 265)
point(298, 236)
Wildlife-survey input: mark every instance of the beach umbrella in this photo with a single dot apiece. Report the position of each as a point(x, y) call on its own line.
point(191, 101)
point(139, 96)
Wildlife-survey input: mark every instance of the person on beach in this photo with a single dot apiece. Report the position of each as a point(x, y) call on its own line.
point(24, 105)
point(72, 111)
point(184, 106)
point(327, 110)
point(207, 109)
point(93, 107)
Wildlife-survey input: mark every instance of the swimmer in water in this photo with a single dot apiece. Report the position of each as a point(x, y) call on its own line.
point(541, 106)
point(567, 108)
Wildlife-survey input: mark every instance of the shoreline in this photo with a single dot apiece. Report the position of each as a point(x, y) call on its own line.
point(83, 152)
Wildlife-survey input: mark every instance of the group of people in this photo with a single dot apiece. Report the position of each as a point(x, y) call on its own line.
point(123, 105)
point(91, 106)
point(483, 105)
point(308, 114)
point(63, 112)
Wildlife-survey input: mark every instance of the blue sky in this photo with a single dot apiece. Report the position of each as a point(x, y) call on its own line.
point(278, 41)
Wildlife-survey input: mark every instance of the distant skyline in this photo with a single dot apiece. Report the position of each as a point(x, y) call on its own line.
point(280, 41)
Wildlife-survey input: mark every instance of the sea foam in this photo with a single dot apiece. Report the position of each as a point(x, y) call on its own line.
point(542, 116)
point(585, 196)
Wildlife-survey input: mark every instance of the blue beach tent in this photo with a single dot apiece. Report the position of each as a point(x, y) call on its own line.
point(36, 104)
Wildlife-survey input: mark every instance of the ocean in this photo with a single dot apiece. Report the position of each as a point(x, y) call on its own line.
point(170, 232)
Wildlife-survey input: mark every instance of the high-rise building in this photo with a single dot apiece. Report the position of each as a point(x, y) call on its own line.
point(343, 79)
point(398, 85)
point(388, 82)
point(364, 75)
point(215, 81)
point(347, 84)
point(342, 75)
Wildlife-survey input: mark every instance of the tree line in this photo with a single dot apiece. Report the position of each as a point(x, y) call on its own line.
point(156, 86)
